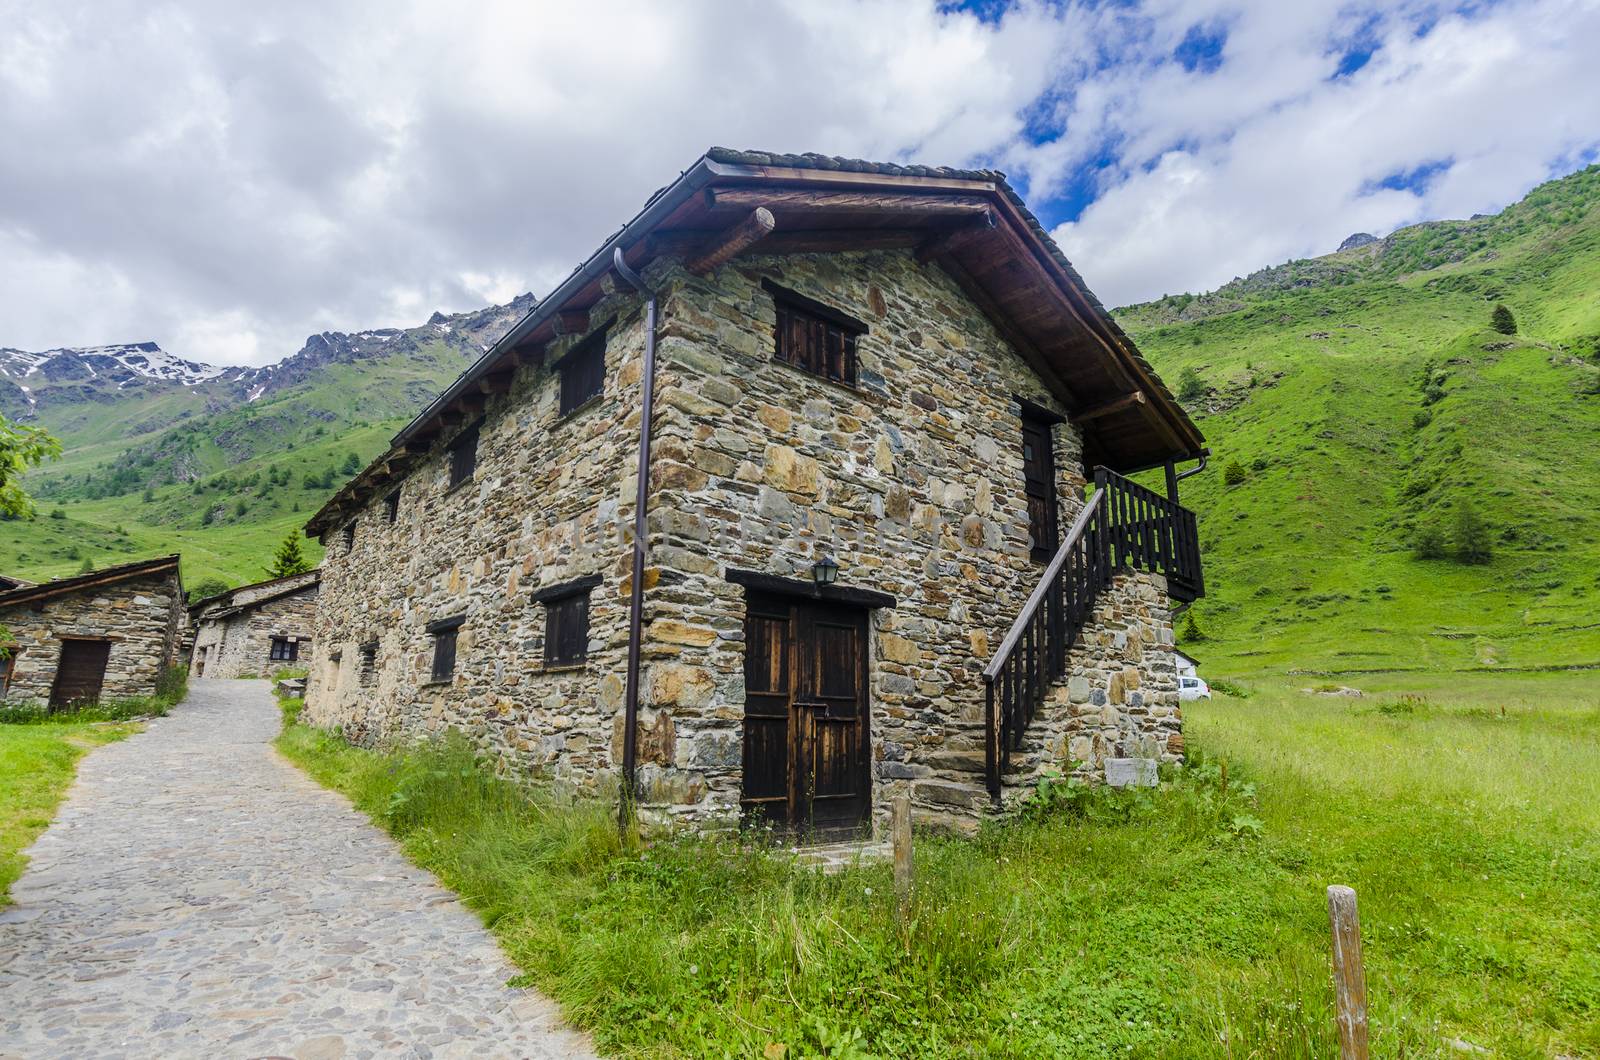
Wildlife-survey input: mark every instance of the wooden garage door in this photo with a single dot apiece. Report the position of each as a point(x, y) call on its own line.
point(807, 765)
point(80, 673)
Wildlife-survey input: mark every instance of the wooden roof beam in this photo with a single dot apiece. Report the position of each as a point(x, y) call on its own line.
point(741, 237)
point(951, 240)
point(799, 199)
point(571, 321)
point(1106, 408)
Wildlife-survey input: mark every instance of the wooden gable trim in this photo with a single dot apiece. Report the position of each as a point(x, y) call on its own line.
point(552, 593)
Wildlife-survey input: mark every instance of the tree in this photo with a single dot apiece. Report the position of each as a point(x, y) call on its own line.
point(1472, 535)
point(1191, 387)
point(288, 559)
point(1234, 474)
point(352, 464)
point(20, 449)
point(88, 566)
point(1429, 543)
point(1502, 320)
point(1191, 631)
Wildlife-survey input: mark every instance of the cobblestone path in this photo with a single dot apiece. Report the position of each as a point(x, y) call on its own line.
point(199, 896)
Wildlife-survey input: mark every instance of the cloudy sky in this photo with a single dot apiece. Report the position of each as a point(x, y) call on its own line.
point(226, 179)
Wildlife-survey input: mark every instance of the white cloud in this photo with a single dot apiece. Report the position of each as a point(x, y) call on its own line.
point(1268, 158)
point(227, 179)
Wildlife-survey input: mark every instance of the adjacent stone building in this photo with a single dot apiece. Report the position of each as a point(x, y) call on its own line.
point(879, 397)
point(255, 629)
point(108, 634)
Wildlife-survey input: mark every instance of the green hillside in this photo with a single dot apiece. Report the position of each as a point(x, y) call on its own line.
point(220, 476)
point(1363, 398)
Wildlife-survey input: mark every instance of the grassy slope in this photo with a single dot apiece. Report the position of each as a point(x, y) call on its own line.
point(1140, 925)
point(37, 763)
point(305, 430)
point(1317, 375)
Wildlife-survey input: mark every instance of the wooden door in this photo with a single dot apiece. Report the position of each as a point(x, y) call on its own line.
point(1039, 485)
point(80, 673)
point(807, 745)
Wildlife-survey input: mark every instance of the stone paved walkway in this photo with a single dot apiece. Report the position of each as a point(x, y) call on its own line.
point(199, 896)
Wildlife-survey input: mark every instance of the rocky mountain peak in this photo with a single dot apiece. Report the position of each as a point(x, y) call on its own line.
point(1358, 239)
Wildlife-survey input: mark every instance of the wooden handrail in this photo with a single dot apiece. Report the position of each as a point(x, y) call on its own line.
point(1051, 572)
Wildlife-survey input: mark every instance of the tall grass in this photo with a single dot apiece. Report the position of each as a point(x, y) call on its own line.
point(171, 686)
point(1183, 922)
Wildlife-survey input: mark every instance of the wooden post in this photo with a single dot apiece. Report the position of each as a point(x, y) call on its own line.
point(1349, 982)
point(901, 830)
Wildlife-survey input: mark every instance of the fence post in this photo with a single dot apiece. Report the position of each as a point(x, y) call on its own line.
point(1349, 981)
point(901, 830)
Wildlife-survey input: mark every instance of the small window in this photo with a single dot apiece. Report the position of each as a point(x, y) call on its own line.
point(464, 455)
point(444, 646)
point(348, 535)
point(583, 372)
point(566, 631)
point(285, 650)
point(369, 662)
point(815, 337)
point(391, 507)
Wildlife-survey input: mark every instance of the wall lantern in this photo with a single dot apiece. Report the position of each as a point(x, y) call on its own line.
point(825, 571)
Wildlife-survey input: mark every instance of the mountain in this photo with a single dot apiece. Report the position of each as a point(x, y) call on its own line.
point(164, 453)
point(1358, 401)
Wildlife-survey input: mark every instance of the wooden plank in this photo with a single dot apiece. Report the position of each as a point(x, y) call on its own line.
point(741, 237)
point(571, 321)
point(1349, 981)
point(812, 200)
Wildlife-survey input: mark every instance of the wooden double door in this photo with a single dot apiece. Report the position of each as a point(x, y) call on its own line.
point(807, 737)
point(80, 673)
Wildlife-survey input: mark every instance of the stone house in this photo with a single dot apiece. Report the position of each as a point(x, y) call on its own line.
point(255, 629)
point(865, 557)
point(108, 634)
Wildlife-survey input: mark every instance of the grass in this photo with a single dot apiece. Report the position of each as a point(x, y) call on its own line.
point(1184, 922)
point(37, 763)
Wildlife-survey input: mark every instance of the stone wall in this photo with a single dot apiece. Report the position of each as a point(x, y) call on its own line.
point(233, 643)
point(1116, 717)
point(550, 501)
point(912, 481)
point(140, 616)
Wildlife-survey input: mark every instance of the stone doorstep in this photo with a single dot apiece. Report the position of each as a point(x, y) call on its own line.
point(832, 858)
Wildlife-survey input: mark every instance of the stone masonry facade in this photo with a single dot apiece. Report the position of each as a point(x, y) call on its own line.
point(234, 636)
point(912, 480)
point(142, 617)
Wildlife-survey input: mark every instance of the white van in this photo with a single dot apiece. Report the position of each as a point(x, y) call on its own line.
point(1192, 688)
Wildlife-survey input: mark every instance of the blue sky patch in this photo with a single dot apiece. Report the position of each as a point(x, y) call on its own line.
point(1414, 180)
point(1200, 51)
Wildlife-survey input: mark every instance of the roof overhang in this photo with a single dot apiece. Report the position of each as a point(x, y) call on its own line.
point(92, 580)
point(970, 223)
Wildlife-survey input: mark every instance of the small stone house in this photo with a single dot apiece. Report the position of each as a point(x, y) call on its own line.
point(108, 634)
point(255, 629)
point(884, 541)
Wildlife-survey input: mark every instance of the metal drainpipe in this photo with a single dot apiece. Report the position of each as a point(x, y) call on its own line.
point(630, 701)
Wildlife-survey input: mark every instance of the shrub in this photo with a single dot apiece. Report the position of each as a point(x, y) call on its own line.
point(1191, 387)
point(1421, 419)
point(1235, 474)
point(1502, 320)
point(1472, 535)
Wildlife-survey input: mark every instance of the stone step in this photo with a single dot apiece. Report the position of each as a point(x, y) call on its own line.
point(951, 794)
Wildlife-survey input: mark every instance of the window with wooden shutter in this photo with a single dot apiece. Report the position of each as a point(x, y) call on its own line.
point(391, 507)
point(1039, 487)
point(566, 631)
point(464, 455)
point(348, 535)
point(583, 372)
point(444, 646)
point(815, 337)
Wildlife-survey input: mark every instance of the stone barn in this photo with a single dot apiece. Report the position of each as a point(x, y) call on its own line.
point(255, 629)
point(884, 540)
point(108, 634)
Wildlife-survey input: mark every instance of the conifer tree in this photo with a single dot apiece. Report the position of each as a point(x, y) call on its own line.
point(1502, 321)
point(1472, 535)
point(288, 559)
